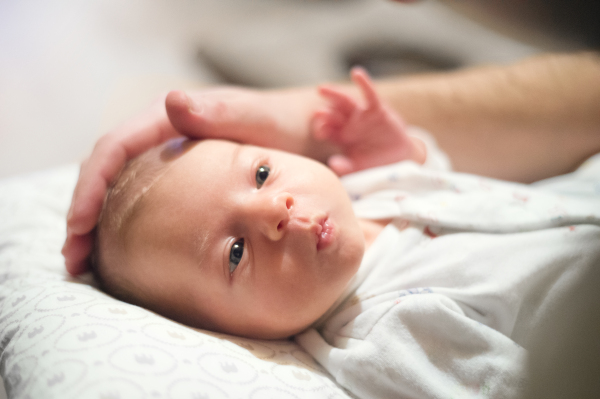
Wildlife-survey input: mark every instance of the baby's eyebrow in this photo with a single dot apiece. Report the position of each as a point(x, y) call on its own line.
point(235, 155)
point(200, 247)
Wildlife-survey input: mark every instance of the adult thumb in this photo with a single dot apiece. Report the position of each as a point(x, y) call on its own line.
point(185, 114)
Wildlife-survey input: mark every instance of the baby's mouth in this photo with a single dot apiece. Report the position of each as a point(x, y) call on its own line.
point(325, 233)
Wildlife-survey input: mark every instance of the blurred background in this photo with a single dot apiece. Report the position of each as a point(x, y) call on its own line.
point(71, 70)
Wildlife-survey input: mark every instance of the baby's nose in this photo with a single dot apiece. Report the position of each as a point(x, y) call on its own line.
point(272, 215)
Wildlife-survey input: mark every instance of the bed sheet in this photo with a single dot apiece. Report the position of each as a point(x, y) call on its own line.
point(63, 338)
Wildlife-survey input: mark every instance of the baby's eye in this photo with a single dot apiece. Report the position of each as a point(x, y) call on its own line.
point(235, 254)
point(261, 175)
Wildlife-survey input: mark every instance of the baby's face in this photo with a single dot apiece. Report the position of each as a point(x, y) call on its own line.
point(244, 240)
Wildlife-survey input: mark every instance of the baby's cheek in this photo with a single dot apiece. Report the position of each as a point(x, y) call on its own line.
point(283, 293)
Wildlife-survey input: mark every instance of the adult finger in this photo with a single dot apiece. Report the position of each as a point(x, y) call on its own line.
point(237, 114)
point(210, 113)
point(181, 110)
point(76, 250)
point(108, 156)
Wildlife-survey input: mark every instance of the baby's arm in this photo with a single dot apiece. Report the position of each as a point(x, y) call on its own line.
point(368, 135)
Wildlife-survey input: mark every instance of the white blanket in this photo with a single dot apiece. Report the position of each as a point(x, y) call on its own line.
point(447, 295)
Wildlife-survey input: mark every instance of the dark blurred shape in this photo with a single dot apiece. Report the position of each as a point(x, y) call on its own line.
point(565, 21)
point(382, 59)
point(565, 350)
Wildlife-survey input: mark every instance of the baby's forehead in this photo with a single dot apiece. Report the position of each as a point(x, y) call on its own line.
point(206, 160)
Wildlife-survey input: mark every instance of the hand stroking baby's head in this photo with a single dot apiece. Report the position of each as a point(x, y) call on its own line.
point(233, 238)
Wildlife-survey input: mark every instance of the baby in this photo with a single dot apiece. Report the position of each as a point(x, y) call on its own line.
point(241, 239)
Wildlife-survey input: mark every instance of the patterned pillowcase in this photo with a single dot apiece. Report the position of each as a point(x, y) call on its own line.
point(61, 337)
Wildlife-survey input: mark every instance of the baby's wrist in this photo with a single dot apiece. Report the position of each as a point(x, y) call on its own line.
point(419, 150)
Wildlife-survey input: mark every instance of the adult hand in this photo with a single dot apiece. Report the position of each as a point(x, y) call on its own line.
point(368, 135)
point(110, 153)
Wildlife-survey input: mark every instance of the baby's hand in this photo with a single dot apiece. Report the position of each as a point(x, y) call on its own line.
point(369, 136)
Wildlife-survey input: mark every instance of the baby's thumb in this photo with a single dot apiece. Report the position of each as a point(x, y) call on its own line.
point(341, 164)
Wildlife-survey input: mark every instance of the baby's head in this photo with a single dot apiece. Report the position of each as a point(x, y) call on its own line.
point(233, 238)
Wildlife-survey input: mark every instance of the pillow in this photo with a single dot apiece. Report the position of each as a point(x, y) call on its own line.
point(62, 337)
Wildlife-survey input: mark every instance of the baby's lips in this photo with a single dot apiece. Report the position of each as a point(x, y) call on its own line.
point(326, 235)
point(312, 225)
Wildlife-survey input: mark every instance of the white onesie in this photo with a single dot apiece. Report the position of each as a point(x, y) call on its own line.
point(448, 293)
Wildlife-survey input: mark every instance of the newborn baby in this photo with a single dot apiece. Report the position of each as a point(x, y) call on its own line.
point(241, 239)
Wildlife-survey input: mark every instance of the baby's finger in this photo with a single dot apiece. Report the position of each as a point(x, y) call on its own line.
point(319, 130)
point(361, 78)
point(339, 100)
point(335, 118)
point(340, 164)
point(327, 124)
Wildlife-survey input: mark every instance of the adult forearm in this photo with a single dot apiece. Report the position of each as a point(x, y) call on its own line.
point(524, 122)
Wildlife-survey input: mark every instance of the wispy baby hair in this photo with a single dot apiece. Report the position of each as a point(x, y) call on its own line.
point(121, 207)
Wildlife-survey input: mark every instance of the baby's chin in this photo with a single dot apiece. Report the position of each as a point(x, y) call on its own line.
point(263, 329)
point(271, 332)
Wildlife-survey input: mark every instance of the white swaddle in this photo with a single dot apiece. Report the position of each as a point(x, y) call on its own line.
point(449, 292)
